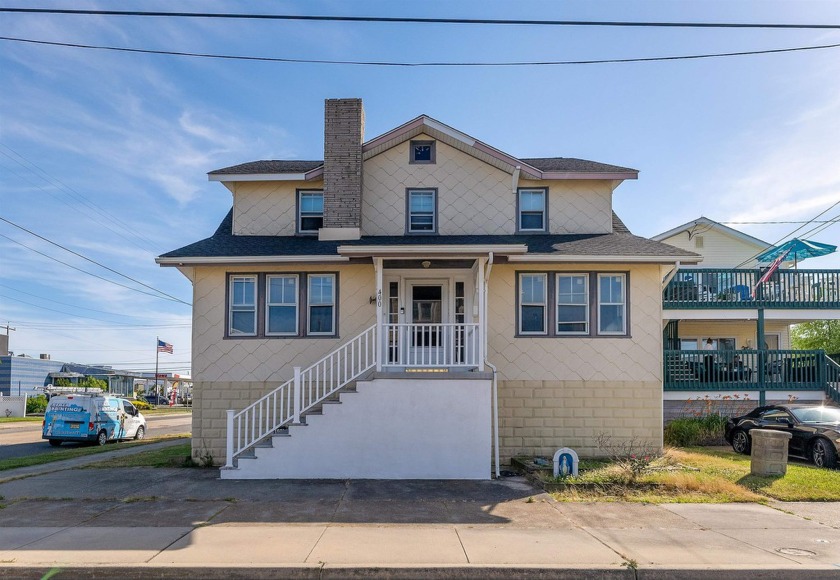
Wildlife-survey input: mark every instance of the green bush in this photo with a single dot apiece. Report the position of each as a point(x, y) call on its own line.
point(696, 431)
point(36, 404)
point(141, 405)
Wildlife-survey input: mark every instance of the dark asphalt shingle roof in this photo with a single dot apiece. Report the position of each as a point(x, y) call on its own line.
point(619, 243)
point(268, 166)
point(573, 165)
point(569, 164)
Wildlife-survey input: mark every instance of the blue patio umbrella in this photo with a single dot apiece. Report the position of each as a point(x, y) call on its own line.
point(796, 250)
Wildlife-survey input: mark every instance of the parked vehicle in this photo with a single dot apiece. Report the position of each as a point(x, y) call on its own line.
point(815, 430)
point(154, 399)
point(95, 418)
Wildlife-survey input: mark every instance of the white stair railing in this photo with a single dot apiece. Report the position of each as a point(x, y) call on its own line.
point(435, 345)
point(309, 387)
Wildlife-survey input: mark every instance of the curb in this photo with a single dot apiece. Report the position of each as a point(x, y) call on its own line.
point(326, 572)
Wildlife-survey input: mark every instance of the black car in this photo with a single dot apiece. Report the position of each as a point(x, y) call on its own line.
point(815, 430)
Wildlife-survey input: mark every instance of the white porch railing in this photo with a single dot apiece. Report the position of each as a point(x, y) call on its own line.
point(431, 345)
point(310, 386)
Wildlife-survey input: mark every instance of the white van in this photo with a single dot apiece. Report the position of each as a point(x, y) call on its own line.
point(95, 418)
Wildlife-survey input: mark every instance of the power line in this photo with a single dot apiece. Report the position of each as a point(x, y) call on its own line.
point(66, 313)
point(419, 64)
point(30, 232)
point(829, 208)
point(78, 197)
point(415, 20)
point(31, 249)
point(13, 289)
point(781, 222)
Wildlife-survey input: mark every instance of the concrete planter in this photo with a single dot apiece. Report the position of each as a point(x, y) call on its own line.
point(769, 452)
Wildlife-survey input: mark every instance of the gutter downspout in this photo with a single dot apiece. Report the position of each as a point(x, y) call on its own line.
point(495, 392)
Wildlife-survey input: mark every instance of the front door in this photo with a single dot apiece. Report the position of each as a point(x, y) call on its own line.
point(426, 338)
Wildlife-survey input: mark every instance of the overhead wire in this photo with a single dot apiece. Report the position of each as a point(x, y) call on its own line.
point(92, 261)
point(420, 20)
point(13, 289)
point(29, 165)
point(419, 64)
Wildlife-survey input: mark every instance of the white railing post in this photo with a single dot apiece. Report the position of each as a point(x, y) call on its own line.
point(229, 442)
point(296, 396)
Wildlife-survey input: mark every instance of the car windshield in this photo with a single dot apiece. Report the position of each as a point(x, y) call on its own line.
point(817, 414)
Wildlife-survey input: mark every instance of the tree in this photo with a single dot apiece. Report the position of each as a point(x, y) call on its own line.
point(93, 383)
point(817, 335)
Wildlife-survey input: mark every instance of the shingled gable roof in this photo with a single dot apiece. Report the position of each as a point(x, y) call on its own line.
point(704, 222)
point(621, 243)
point(537, 168)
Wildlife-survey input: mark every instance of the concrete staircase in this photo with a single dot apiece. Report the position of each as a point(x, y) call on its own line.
point(383, 428)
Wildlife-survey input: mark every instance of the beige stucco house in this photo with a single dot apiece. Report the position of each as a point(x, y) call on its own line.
point(463, 306)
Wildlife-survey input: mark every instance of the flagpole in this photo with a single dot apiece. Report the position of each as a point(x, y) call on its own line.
point(157, 357)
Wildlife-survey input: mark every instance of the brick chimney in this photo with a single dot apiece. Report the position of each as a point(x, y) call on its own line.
point(344, 129)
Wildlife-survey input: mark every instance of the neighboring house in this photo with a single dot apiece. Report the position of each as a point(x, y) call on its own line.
point(722, 301)
point(407, 269)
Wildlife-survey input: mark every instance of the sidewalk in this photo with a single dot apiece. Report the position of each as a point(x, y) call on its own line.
point(175, 523)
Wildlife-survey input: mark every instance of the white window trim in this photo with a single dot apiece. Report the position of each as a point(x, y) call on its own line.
point(231, 305)
point(586, 305)
point(544, 304)
point(300, 211)
point(269, 304)
point(520, 211)
point(623, 303)
point(309, 305)
point(433, 212)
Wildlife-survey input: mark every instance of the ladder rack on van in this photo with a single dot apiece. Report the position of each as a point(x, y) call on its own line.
point(51, 390)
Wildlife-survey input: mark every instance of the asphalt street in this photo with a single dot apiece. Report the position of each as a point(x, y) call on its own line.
point(23, 439)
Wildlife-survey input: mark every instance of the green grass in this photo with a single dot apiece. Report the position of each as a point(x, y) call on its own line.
point(700, 475)
point(35, 419)
point(62, 454)
point(176, 456)
point(166, 411)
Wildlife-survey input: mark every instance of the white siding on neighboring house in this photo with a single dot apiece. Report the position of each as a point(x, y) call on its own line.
point(719, 249)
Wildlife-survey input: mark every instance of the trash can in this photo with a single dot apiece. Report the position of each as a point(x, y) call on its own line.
point(769, 452)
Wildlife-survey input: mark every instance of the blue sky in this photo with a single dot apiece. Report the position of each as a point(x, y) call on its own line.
point(107, 153)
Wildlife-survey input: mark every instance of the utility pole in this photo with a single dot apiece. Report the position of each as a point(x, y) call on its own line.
point(9, 329)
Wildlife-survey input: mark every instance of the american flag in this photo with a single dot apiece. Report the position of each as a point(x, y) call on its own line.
point(770, 269)
point(164, 347)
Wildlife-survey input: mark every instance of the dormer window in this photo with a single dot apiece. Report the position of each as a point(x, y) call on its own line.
point(422, 152)
point(310, 211)
point(531, 214)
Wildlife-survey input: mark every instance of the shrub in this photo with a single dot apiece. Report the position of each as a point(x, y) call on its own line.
point(36, 404)
point(141, 405)
point(696, 431)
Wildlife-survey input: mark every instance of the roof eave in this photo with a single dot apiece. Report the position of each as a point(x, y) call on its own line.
point(432, 250)
point(229, 177)
point(226, 260)
point(552, 258)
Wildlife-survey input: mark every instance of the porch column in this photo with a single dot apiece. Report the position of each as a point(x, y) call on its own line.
point(379, 335)
point(482, 318)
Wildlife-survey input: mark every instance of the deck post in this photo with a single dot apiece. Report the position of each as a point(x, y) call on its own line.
point(229, 439)
point(762, 357)
point(296, 397)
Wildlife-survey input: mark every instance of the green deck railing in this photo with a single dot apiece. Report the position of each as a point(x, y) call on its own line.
point(734, 288)
point(736, 370)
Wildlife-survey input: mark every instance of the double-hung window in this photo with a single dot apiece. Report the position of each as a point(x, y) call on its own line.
point(243, 306)
point(321, 304)
point(532, 303)
point(422, 211)
point(532, 214)
point(612, 304)
point(572, 304)
point(281, 305)
point(310, 211)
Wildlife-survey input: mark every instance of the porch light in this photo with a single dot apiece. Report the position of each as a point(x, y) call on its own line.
point(426, 263)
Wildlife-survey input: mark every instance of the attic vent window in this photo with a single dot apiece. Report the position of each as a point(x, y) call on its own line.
point(698, 241)
point(422, 152)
